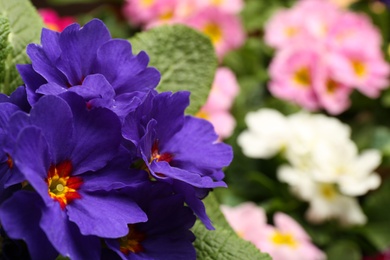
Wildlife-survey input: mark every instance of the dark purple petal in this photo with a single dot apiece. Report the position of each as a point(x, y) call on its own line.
point(79, 47)
point(194, 179)
point(32, 158)
point(49, 40)
point(65, 235)
point(125, 71)
point(18, 98)
point(97, 135)
point(117, 174)
point(194, 202)
point(6, 110)
point(196, 145)
point(20, 216)
point(104, 214)
point(44, 66)
point(168, 111)
point(51, 88)
point(32, 80)
point(54, 116)
point(95, 86)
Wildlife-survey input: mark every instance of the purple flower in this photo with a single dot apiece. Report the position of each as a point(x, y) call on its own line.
point(11, 111)
point(87, 61)
point(67, 153)
point(177, 149)
point(165, 235)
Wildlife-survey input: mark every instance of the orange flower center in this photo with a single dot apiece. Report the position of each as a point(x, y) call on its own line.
point(214, 31)
point(302, 77)
point(131, 243)
point(10, 162)
point(61, 186)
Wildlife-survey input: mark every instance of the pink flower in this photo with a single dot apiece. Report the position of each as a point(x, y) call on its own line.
point(284, 28)
point(216, 109)
point(362, 68)
point(293, 73)
point(287, 240)
point(333, 95)
point(228, 6)
point(247, 220)
point(150, 12)
point(351, 29)
point(53, 21)
point(224, 29)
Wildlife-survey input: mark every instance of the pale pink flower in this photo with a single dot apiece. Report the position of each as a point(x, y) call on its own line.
point(53, 21)
point(364, 69)
point(350, 30)
point(224, 90)
point(246, 219)
point(225, 30)
point(293, 73)
point(216, 109)
point(147, 12)
point(284, 28)
point(287, 240)
point(229, 6)
point(333, 95)
point(318, 17)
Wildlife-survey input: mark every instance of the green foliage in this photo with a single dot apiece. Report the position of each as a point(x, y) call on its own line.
point(185, 58)
point(223, 242)
point(20, 24)
point(343, 249)
point(378, 211)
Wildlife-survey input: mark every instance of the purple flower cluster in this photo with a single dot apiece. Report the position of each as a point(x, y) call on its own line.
point(94, 163)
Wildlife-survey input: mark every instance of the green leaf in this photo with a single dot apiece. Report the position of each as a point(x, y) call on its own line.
point(185, 58)
point(20, 24)
point(223, 242)
point(377, 229)
point(344, 249)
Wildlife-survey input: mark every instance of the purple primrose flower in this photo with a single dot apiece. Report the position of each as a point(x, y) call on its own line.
point(165, 235)
point(67, 154)
point(87, 61)
point(177, 149)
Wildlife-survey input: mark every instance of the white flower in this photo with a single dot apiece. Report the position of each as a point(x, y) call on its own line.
point(267, 133)
point(325, 201)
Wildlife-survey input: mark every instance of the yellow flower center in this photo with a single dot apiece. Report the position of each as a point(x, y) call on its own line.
point(213, 31)
point(331, 86)
point(290, 31)
point(146, 3)
point(166, 16)
point(359, 68)
point(61, 186)
point(328, 191)
point(302, 77)
point(202, 114)
point(285, 239)
point(216, 2)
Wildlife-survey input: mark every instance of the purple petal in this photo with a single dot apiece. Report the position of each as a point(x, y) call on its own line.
point(193, 179)
point(79, 47)
point(194, 203)
point(196, 145)
point(32, 158)
point(104, 215)
point(94, 86)
point(49, 40)
point(168, 110)
point(44, 66)
point(66, 237)
point(32, 80)
point(125, 71)
point(53, 115)
point(20, 217)
point(51, 88)
point(97, 135)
